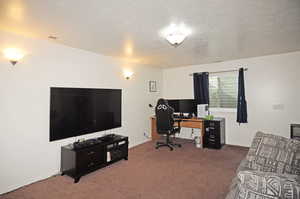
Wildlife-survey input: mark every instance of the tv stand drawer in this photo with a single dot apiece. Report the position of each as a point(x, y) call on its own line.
point(90, 152)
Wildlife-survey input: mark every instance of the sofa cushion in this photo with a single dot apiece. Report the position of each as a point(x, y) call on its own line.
point(255, 184)
point(242, 167)
point(272, 153)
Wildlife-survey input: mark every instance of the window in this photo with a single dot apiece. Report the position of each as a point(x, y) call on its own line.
point(223, 91)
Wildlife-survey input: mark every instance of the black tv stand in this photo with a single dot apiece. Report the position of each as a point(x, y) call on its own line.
point(92, 154)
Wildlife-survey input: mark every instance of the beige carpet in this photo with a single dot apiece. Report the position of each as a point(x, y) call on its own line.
point(185, 173)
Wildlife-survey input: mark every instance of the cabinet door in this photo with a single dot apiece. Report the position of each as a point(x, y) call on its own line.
point(215, 131)
point(91, 157)
point(212, 134)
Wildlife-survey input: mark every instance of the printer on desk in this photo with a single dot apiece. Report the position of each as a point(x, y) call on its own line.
point(202, 110)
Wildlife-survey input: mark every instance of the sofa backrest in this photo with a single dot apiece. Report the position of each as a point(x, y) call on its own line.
point(273, 153)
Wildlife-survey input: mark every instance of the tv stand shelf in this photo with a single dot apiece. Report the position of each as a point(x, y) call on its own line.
point(76, 162)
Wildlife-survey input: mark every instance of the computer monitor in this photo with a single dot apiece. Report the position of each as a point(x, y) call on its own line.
point(183, 105)
point(174, 104)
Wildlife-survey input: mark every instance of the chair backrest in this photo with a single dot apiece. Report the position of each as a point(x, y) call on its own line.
point(164, 117)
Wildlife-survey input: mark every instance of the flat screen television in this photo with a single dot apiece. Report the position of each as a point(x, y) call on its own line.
point(79, 111)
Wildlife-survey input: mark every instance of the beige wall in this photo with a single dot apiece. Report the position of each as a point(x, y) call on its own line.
point(26, 155)
point(270, 80)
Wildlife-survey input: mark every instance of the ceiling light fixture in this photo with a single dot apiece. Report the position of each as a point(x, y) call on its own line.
point(176, 34)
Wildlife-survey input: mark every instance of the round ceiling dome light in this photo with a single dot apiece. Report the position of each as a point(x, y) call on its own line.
point(176, 34)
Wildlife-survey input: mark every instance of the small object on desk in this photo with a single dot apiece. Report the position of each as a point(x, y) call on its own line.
point(191, 115)
point(209, 117)
point(202, 110)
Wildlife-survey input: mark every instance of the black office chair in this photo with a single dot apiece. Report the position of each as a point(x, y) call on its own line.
point(165, 123)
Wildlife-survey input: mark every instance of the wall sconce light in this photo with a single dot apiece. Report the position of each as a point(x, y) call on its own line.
point(13, 55)
point(128, 74)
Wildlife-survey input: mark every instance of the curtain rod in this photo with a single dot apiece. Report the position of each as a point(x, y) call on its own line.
point(222, 71)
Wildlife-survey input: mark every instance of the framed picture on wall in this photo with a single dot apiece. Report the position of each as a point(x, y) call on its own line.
point(152, 86)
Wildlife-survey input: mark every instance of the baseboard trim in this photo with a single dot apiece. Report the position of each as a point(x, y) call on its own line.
point(139, 143)
point(233, 145)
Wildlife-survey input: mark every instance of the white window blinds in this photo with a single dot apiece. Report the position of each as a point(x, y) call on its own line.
point(223, 91)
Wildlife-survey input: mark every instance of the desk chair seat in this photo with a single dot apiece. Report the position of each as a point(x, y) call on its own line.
point(165, 124)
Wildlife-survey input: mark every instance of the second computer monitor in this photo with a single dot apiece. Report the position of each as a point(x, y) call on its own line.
point(183, 105)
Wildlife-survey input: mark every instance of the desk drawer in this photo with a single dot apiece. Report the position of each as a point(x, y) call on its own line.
point(190, 124)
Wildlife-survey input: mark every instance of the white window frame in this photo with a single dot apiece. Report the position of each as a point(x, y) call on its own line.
point(223, 110)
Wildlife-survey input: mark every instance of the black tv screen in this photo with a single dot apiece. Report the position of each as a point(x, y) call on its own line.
point(79, 111)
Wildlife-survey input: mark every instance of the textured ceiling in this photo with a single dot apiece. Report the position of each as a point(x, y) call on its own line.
point(129, 29)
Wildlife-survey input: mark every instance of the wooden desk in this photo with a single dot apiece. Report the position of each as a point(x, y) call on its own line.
point(195, 123)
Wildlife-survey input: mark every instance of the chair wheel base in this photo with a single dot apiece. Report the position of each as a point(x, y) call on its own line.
point(170, 145)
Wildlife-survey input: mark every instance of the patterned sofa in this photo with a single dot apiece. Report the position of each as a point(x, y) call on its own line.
point(271, 170)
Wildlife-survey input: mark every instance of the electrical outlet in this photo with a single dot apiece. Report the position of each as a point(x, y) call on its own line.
point(278, 106)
